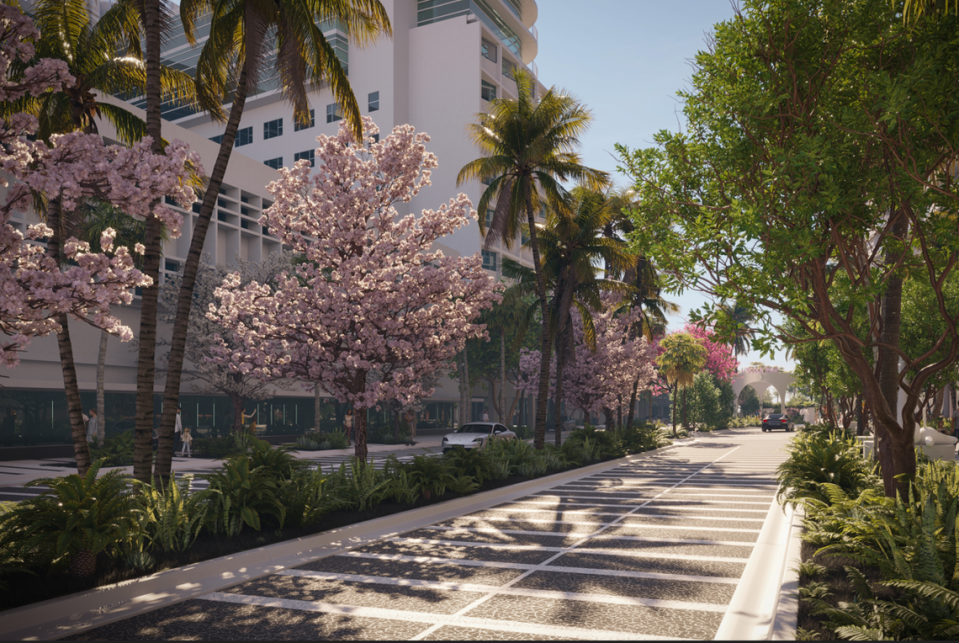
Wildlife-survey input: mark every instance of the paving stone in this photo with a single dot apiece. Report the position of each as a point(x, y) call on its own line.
point(524, 525)
point(718, 551)
point(686, 532)
point(611, 561)
point(199, 620)
point(639, 519)
point(469, 552)
point(453, 633)
point(663, 589)
point(549, 540)
point(442, 572)
point(547, 505)
point(547, 513)
point(599, 616)
point(343, 592)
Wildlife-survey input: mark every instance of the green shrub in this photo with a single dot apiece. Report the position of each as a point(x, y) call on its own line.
point(117, 450)
point(322, 441)
point(512, 453)
point(360, 487)
point(430, 475)
point(817, 458)
point(74, 520)
point(603, 444)
point(471, 462)
point(307, 497)
point(641, 437)
point(244, 495)
point(523, 432)
point(220, 448)
point(278, 461)
point(387, 436)
point(173, 517)
point(533, 467)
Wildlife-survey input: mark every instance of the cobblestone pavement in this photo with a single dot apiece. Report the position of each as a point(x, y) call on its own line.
point(653, 549)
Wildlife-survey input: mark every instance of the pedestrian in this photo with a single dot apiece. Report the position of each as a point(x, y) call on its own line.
point(177, 432)
point(486, 415)
point(348, 425)
point(92, 427)
point(187, 441)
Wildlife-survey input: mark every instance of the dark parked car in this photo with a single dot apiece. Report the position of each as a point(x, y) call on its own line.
point(778, 421)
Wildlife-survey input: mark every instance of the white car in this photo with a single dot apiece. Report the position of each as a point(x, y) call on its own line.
point(476, 434)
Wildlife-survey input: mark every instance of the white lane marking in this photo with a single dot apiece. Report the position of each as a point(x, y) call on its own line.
point(554, 503)
point(579, 550)
point(589, 571)
point(549, 560)
point(436, 620)
point(611, 599)
point(572, 522)
point(521, 532)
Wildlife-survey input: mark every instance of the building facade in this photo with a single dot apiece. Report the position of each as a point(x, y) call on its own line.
point(446, 60)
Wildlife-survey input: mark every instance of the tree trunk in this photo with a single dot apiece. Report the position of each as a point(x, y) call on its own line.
point(539, 428)
point(181, 323)
point(238, 404)
point(465, 397)
point(674, 404)
point(502, 369)
point(619, 411)
point(558, 400)
point(632, 405)
point(359, 434)
point(146, 360)
point(70, 383)
point(101, 401)
point(316, 408)
point(685, 421)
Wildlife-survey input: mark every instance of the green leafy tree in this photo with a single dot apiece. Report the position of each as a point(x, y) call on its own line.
point(683, 356)
point(529, 149)
point(775, 193)
point(243, 36)
point(704, 406)
point(749, 403)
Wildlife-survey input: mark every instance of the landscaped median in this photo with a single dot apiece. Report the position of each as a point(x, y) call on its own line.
point(91, 532)
point(872, 567)
point(102, 605)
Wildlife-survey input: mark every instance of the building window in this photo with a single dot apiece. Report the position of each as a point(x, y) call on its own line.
point(509, 69)
point(297, 126)
point(488, 50)
point(374, 101)
point(487, 90)
point(276, 163)
point(308, 155)
point(489, 260)
point(341, 46)
point(523, 237)
point(333, 113)
point(217, 139)
point(244, 137)
point(272, 129)
point(376, 138)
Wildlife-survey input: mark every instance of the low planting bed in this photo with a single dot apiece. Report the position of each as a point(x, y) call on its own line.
point(90, 532)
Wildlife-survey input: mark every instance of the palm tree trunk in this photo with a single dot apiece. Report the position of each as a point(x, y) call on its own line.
point(146, 361)
point(71, 386)
point(685, 422)
point(101, 401)
point(674, 404)
point(558, 399)
point(539, 428)
point(185, 299)
point(632, 405)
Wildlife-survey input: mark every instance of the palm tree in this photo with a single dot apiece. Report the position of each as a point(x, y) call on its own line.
point(530, 149)
point(573, 249)
point(738, 316)
point(243, 36)
point(683, 357)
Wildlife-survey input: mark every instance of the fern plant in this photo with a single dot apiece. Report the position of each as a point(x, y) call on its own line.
point(307, 498)
point(471, 462)
point(278, 462)
point(817, 458)
point(244, 496)
point(174, 517)
point(361, 486)
point(431, 475)
point(74, 520)
point(117, 450)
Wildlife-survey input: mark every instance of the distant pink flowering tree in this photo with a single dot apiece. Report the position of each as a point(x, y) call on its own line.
point(372, 311)
point(720, 360)
point(599, 380)
point(40, 287)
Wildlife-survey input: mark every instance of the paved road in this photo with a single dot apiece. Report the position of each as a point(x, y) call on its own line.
point(650, 549)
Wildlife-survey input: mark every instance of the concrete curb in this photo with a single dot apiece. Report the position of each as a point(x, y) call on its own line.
point(753, 609)
point(787, 616)
point(68, 615)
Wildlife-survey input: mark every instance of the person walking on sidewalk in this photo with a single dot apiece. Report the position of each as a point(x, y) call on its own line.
point(177, 432)
point(92, 427)
point(187, 441)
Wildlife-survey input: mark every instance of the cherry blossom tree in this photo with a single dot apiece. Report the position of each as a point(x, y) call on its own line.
point(372, 311)
point(720, 360)
point(40, 287)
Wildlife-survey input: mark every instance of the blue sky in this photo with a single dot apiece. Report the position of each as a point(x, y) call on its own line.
point(626, 59)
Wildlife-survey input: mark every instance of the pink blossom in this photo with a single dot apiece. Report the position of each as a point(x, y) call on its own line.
point(720, 360)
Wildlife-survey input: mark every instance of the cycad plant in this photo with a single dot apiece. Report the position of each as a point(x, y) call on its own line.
point(73, 520)
point(244, 495)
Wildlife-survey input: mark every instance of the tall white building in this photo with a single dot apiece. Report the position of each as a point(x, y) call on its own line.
point(445, 61)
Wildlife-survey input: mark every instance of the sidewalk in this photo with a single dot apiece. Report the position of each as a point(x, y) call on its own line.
point(685, 542)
